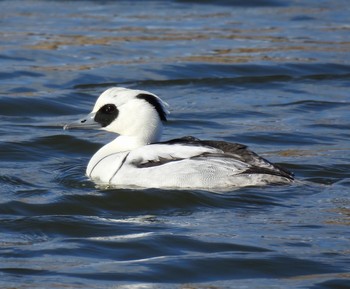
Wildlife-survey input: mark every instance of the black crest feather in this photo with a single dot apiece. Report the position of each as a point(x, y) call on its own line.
point(152, 100)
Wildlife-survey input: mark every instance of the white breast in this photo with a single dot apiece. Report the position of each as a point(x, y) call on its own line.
point(103, 170)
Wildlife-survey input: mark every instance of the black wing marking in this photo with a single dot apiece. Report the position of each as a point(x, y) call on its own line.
point(258, 165)
point(158, 162)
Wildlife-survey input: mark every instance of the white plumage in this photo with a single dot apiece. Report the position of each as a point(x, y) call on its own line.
point(137, 158)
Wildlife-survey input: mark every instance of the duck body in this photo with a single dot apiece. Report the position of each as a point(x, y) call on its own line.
point(137, 158)
point(186, 163)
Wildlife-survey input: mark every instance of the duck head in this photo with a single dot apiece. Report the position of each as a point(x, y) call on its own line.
point(127, 112)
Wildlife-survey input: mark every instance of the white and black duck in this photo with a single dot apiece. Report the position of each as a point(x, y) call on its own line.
point(138, 158)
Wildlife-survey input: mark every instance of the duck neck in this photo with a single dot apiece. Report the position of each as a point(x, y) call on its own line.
point(125, 143)
point(121, 144)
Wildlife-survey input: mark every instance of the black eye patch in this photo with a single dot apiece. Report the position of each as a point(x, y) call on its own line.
point(106, 114)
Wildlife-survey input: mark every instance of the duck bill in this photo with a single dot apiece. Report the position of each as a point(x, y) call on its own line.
point(87, 122)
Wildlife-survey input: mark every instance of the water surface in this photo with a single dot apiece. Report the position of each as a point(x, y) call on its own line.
point(270, 74)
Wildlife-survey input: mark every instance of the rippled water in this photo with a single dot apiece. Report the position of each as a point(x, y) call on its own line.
point(270, 74)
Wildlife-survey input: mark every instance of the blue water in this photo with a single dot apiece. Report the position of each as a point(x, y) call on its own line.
point(273, 75)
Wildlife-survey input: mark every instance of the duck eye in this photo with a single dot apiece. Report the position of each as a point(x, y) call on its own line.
point(108, 108)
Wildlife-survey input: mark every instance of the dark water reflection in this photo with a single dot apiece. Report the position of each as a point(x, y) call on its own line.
point(271, 74)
